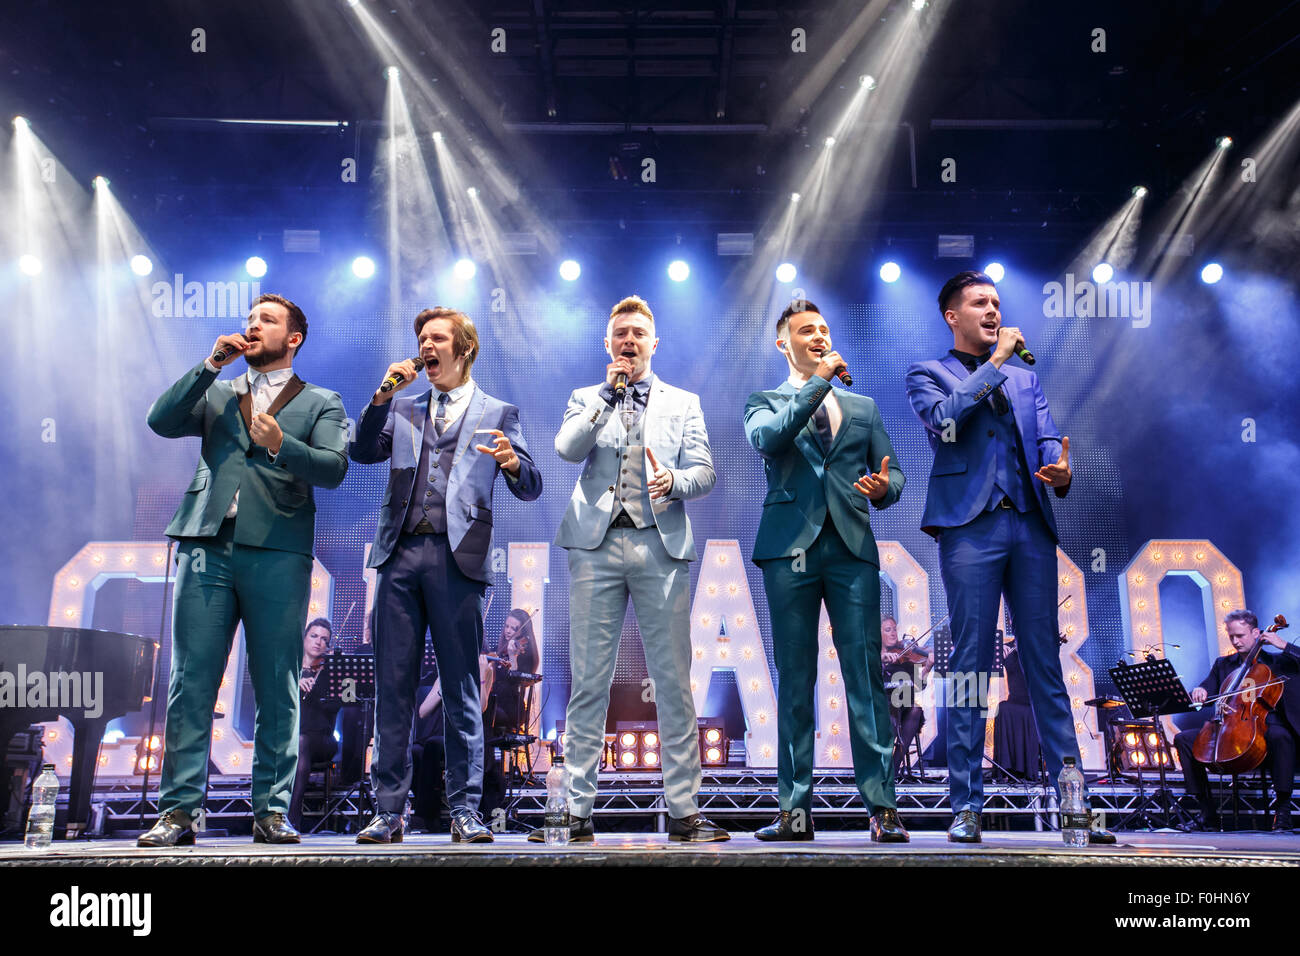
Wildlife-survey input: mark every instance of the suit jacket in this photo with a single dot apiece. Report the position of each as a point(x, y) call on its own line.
point(1283, 663)
point(394, 432)
point(804, 482)
point(276, 506)
point(962, 478)
point(592, 433)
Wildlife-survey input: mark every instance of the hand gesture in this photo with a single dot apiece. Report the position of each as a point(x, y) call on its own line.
point(234, 344)
point(501, 450)
point(1199, 695)
point(305, 684)
point(875, 485)
point(265, 431)
point(661, 481)
point(1059, 474)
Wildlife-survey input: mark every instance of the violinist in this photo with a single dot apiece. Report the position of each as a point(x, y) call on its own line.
point(1283, 722)
point(905, 671)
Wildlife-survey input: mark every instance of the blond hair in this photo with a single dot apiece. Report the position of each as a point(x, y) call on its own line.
point(633, 303)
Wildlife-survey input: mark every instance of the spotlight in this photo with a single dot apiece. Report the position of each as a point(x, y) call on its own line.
point(30, 265)
point(464, 270)
point(20, 122)
point(829, 141)
point(99, 182)
point(1135, 746)
point(1139, 191)
point(867, 80)
point(570, 270)
point(1223, 142)
point(353, 3)
point(255, 266)
point(1102, 273)
point(636, 746)
point(795, 197)
point(890, 272)
point(141, 265)
point(918, 5)
point(678, 270)
point(785, 272)
point(363, 267)
point(392, 73)
point(1212, 273)
point(471, 192)
point(437, 137)
point(995, 271)
point(714, 745)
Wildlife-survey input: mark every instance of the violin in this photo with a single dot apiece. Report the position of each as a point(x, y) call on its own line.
point(1233, 741)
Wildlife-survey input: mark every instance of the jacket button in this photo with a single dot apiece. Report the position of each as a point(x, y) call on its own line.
point(429, 494)
point(611, 487)
point(404, 502)
point(990, 433)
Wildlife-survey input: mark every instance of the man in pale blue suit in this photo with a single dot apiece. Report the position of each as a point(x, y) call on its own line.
point(828, 461)
point(996, 452)
point(644, 451)
point(432, 547)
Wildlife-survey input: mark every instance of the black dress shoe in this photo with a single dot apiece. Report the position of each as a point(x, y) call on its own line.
point(467, 827)
point(581, 830)
point(384, 828)
point(1102, 837)
point(887, 828)
point(790, 825)
point(1282, 821)
point(174, 828)
point(965, 827)
point(695, 829)
point(274, 828)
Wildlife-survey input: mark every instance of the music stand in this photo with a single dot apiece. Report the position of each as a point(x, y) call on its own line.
point(350, 679)
point(1152, 690)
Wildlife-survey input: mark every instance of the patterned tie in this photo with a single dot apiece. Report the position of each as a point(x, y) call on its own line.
point(440, 420)
point(822, 419)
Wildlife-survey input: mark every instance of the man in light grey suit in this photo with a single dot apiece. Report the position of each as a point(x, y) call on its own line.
point(644, 451)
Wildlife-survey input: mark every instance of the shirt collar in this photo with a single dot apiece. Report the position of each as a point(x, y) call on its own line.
point(799, 380)
point(457, 393)
point(274, 378)
point(967, 359)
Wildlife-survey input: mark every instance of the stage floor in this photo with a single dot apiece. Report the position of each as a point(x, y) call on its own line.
point(831, 848)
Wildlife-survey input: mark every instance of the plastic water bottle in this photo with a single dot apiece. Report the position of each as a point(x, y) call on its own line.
point(1075, 818)
point(40, 819)
point(557, 803)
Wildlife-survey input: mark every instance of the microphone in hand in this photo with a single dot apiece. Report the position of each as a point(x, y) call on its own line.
point(396, 378)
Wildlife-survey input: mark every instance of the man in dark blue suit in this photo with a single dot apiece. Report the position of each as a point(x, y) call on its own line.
point(433, 552)
point(996, 452)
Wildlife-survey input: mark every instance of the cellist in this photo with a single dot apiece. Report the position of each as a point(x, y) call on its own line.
point(1283, 722)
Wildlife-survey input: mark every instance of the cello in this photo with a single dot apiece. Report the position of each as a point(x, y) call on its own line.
point(1233, 740)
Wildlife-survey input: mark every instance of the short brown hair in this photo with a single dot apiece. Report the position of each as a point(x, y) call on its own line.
point(297, 320)
point(464, 337)
point(794, 308)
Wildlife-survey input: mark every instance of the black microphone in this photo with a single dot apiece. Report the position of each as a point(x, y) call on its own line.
point(844, 376)
point(1024, 354)
point(396, 378)
point(620, 384)
point(223, 353)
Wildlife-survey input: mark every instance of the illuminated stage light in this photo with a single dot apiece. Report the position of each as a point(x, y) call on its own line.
point(99, 182)
point(141, 265)
point(255, 266)
point(570, 270)
point(919, 5)
point(363, 267)
point(785, 272)
point(712, 735)
point(1223, 142)
point(628, 740)
point(437, 136)
point(678, 270)
point(30, 265)
point(795, 197)
point(867, 80)
point(651, 758)
point(995, 271)
point(464, 269)
point(1140, 191)
point(651, 740)
point(628, 758)
point(472, 192)
point(20, 122)
point(1102, 273)
point(1212, 273)
point(392, 73)
point(890, 272)
point(828, 142)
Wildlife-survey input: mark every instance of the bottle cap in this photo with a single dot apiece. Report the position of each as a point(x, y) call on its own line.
point(1069, 761)
point(47, 766)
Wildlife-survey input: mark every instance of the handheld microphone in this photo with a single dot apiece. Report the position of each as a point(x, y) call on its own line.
point(844, 376)
point(223, 353)
point(620, 384)
point(396, 379)
point(1024, 354)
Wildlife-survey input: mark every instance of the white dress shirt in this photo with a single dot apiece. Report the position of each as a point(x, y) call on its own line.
point(831, 402)
point(457, 401)
point(265, 388)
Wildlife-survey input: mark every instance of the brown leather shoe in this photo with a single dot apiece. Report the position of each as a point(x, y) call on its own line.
point(174, 828)
point(887, 828)
point(274, 828)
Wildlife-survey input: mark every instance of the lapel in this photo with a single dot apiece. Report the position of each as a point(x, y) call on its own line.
point(656, 395)
point(808, 440)
point(287, 395)
point(470, 421)
point(953, 365)
point(419, 419)
point(845, 398)
point(240, 385)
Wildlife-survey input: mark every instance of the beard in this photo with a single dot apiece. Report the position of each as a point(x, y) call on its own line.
point(268, 356)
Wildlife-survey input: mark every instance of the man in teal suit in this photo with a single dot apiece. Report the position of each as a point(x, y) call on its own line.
point(828, 461)
point(244, 533)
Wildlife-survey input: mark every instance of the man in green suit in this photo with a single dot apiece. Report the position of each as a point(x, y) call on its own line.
point(244, 533)
point(828, 461)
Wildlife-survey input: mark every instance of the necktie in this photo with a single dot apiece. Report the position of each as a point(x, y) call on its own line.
point(440, 420)
point(822, 419)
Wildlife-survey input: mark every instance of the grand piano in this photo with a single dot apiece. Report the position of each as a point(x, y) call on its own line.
point(127, 664)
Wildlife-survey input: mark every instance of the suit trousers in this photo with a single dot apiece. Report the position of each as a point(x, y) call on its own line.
point(851, 589)
point(421, 588)
point(1002, 551)
point(218, 584)
point(631, 562)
